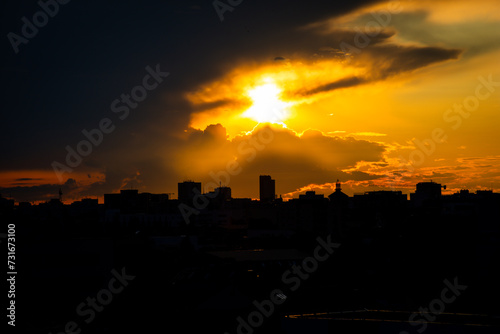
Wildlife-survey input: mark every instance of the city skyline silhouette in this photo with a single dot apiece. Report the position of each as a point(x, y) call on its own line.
point(247, 167)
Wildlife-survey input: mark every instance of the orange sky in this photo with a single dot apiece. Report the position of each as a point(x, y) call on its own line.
point(409, 102)
point(396, 110)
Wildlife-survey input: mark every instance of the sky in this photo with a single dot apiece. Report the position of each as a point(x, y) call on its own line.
point(99, 96)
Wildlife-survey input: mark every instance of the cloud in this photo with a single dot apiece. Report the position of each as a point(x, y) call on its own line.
point(327, 188)
point(391, 59)
point(151, 151)
point(342, 83)
point(292, 160)
point(368, 134)
point(382, 60)
point(40, 192)
point(319, 59)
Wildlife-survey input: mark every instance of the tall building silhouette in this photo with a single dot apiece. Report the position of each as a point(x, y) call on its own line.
point(187, 190)
point(267, 189)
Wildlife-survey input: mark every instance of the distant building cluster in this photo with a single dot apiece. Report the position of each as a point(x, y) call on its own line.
point(270, 215)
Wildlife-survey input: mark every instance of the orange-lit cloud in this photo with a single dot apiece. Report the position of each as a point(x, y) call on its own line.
point(293, 159)
point(347, 112)
point(228, 100)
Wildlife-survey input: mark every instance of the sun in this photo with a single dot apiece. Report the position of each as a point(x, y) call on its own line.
point(266, 104)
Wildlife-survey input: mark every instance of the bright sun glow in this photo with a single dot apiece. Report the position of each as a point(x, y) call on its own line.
point(267, 106)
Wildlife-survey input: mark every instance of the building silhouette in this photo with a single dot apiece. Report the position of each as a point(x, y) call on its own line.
point(267, 189)
point(426, 193)
point(338, 196)
point(187, 190)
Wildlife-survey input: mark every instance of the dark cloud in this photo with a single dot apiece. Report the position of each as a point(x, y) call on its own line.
point(380, 58)
point(378, 55)
point(292, 160)
point(64, 80)
point(447, 175)
point(475, 36)
point(362, 176)
point(342, 83)
point(212, 105)
point(42, 192)
point(389, 60)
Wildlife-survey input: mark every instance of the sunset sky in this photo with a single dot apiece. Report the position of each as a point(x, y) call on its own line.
point(378, 94)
